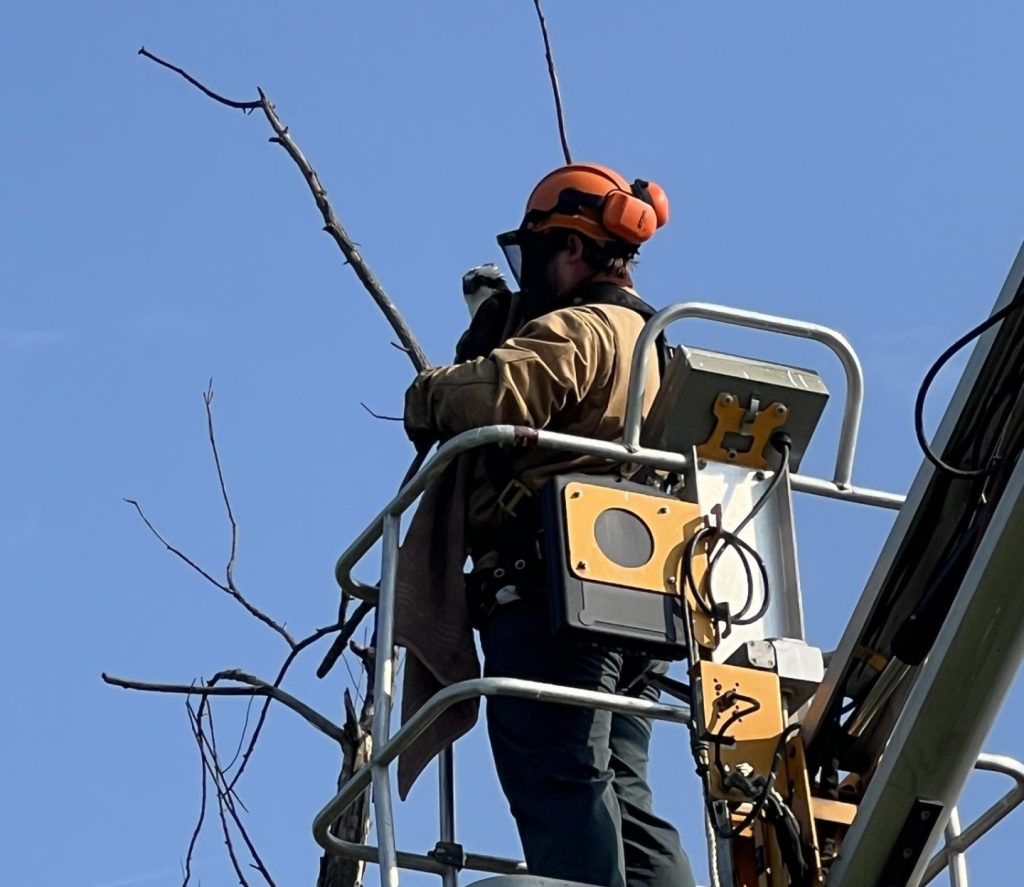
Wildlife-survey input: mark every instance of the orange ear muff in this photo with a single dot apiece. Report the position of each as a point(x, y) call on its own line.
point(653, 195)
point(659, 200)
point(629, 218)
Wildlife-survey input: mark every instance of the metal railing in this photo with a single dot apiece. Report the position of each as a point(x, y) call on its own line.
point(386, 527)
point(957, 841)
point(787, 326)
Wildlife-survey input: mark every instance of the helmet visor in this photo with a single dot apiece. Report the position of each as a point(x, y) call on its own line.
point(511, 245)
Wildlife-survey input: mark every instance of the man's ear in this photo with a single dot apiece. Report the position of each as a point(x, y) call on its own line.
point(575, 247)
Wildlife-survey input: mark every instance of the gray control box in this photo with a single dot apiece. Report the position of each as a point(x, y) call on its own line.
point(683, 414)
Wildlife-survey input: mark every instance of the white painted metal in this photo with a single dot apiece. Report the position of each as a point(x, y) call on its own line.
point(867, 603)
point(953, 703)
point(771, 534)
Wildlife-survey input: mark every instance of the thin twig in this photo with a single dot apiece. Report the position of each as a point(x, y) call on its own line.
point(381, 416)
point(340, 643)
point(202, 802)
point(241, 735)
point(554, 83)
point(226, 801)
point(222, 799)
point(233, 592)
point(296, 650)
point(231, 103)
point(256, 687)
point(331, 224)
point(229, 570)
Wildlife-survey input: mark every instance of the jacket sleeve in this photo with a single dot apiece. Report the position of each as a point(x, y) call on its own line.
point(550, 365)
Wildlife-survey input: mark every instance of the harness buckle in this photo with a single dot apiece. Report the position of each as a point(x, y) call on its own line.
point(510, 497)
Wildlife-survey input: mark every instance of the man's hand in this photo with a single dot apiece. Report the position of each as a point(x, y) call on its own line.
point(422, 438)
point(418, 427)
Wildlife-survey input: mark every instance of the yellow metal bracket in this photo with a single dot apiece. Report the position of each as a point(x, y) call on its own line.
point(751, 422)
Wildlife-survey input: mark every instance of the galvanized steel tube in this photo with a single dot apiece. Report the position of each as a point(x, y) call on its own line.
point(770, 323)
point(383, 695)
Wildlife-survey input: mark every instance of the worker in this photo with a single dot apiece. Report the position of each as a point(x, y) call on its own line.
point(575, 778)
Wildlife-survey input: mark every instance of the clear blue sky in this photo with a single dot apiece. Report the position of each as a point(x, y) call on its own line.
point(854, 165)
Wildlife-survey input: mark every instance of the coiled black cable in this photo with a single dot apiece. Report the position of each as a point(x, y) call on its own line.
point(713, 536)
point(922, 394)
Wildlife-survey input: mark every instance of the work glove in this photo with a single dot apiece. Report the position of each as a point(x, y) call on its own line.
point(416, 417)
point(422, 438)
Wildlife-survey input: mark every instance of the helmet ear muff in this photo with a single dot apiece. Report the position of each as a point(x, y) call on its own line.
point(653, 195)
point(634, 216)
point(628, 218)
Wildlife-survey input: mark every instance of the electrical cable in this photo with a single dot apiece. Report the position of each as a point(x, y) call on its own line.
point(717, 738)
point(712, 838)
point(922, 394)
point(758, 804)
point(730, 539)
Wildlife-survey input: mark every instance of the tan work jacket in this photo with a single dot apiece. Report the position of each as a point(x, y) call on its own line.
point(567, 371)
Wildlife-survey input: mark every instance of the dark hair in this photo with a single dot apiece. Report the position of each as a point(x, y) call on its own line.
point(614, 258)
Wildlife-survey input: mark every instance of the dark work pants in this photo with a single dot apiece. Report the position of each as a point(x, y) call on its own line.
point(575, 778)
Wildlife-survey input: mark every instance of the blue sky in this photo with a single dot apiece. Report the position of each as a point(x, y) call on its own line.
point(854, 165)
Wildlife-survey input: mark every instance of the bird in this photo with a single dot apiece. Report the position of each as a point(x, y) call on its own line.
point(480, 283)
point(492, 311)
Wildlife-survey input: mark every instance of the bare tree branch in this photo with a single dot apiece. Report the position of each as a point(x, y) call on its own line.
point(229, 570)
point(379, 415)
point(331, 224)
point(554, 82)
point(346, 630)
point(243, 106)
point(354, 822)
point(244, 730)
point(340, 643)
point(202, 802)
point(256, 687)
point(226, 797)
point(233, 592)
point(223, 799)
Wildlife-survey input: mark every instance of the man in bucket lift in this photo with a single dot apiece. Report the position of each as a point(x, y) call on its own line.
point(575, 778)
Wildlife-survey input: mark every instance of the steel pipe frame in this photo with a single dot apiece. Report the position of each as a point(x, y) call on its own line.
point(380, 729)
point(512, 435)
point(957, 844)
point(387, 524)
point(388, 750)
point(755, 320)
point(446, 808)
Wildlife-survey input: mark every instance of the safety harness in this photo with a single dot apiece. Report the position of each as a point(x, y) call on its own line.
point(516, 563)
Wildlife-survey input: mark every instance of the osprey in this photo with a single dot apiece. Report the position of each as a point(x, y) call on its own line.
point(479, 284)
point(492, 310)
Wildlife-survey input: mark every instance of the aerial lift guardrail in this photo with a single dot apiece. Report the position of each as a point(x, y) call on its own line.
point(449, 858)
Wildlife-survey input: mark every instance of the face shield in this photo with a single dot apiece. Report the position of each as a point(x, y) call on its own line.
point(512, 246)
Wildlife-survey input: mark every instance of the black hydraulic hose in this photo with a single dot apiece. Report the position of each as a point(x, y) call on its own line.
point(922, 393)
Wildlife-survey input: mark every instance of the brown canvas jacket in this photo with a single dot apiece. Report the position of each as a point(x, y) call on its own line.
point(567, 371)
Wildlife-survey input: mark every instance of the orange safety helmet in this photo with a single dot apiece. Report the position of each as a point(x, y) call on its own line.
point(598, 202)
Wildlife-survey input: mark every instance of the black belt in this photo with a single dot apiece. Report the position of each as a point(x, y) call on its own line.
point(517, 566)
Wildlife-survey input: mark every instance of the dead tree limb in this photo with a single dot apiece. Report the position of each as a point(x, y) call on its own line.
point(254, 687)
point(554, 82)
point(354, 822)
point(202, 801)
point(226, 588)
point(282, 136)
